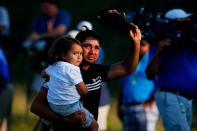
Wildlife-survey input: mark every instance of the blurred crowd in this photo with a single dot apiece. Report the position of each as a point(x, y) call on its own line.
point(164, 83)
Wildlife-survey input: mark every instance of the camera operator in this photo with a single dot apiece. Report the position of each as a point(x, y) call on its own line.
point(174, 69)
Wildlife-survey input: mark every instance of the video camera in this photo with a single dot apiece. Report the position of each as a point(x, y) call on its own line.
point(153, 26)
point(115, 18)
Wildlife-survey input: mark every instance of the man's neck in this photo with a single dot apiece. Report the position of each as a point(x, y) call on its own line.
point(85, 65)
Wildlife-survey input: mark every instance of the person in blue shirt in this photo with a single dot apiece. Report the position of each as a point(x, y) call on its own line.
point(136, 104)
point(6, 91)
point(50, 23)
point(6, 87)
point(174, 69)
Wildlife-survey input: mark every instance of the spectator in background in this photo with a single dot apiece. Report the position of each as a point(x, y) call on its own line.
point(174, 68)
point(4, 26)
point(4, 22)
point(50, 23)
point(10, 45)
point(6, 87)
point(104, 107)
point(80, 26)
point(6, 92)
point(105, 99)
point(136, 104)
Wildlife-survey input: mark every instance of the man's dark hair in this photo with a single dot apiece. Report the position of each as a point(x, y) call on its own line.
point(82, 35)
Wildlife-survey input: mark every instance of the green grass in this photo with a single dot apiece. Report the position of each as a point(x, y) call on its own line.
point(24, 120)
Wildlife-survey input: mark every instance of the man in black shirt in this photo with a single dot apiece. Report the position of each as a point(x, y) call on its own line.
point(93, 75)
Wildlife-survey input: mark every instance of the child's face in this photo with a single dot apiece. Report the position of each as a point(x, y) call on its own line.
point(74, 55)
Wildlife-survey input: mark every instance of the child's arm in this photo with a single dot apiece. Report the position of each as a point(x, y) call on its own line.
point(82, 89)
point(40, 107)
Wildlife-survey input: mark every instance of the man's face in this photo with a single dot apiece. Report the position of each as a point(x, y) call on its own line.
point(90, 50)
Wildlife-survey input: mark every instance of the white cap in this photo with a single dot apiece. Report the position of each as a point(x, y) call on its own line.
point(177, 14)
point(72, 33)
point(84, 23)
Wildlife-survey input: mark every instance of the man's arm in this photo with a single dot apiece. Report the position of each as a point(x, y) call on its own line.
point(59, 30)
point(128, 65)
point(40, 107)
point(152, 68)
